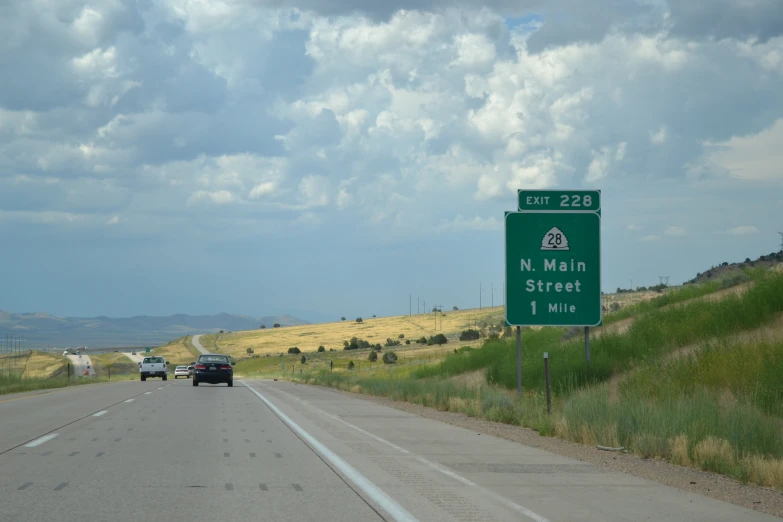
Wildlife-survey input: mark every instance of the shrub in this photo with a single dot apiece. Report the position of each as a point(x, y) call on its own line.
point(614, 306)
point(373, 315)
point(469, 335)
point(455, 308)
point(262, 327)
point(249, 351)
point(350, 365)
point(378, 347)
point(342, 318)
point(422, 340)
point(321, 349)
point(304, 359)
point(401, 336)
point(372, 357)
point(355, 343)
point(221, 331)
point(294, 350)
point(331, 349)
point(438, 339)
point(392, 342)
point(389, 358)
point(407, 341)
point(276, 325)
point(359, 320)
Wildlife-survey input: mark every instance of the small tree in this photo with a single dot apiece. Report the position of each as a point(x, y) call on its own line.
point(262, 327)
point(407, 341)
point(249, 350)
point(321, 349)
point(455, 308)
point(342, 318)
point(469, 335)
point(438, 339)
point(276, 325)
point(373, 356)
point(350, 365)
point(401, 336)
point(389, 358)
point(221, 331)
point(378, 347)
point(422, 340)
point(358, 319)
point(304, 359)
point(294, 350)
point(373, 315)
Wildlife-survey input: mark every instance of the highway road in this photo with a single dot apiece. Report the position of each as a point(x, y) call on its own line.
point(266, 450)
point(81, 364)
point(195, 340)
point(135, 358)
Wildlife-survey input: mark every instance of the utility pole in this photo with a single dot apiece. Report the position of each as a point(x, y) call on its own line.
point(492, 303)
point(425, 307)
point(480, 291)
point(410, 305)
point(417, 305)
point(781, 241)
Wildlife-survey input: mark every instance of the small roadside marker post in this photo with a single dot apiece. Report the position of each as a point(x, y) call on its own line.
point(546, 379)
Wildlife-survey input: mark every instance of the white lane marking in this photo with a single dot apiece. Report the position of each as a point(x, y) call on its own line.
point(147, 393)
point(40, 440)
point(130, 400)
point(383, 500)
point(513, 505)
point(104, 412)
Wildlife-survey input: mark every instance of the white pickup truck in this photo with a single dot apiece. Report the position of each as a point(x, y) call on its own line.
point(153, 367)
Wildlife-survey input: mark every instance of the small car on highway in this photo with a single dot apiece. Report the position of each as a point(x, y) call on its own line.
point(213, 369)
point(181, 371)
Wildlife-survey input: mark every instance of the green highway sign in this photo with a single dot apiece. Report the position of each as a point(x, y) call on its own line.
point(147, 350)
point(553, 268)
point(560, 200)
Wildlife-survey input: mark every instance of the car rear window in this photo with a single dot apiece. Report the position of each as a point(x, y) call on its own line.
point(153, 359)
point(213, 359)
point(182, 367)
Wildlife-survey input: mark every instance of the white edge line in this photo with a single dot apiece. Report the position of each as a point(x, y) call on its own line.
point(513, 505)
point(360, 481)
point(130, 400)
point(104, 412)
point(40, 440)
point(147, 393)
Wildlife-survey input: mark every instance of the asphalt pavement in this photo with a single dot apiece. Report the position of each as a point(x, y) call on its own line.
point(81, 364)
point(266, 450)
point(195, 340)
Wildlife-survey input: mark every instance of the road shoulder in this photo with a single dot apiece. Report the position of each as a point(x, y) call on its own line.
point(765, 500)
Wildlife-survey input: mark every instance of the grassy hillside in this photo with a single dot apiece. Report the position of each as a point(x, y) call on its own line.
point(687, 381)
point(332, 335)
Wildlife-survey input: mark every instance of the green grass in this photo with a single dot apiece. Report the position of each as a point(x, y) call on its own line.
point(686, 293)
point(651, 336)
point(15, 385)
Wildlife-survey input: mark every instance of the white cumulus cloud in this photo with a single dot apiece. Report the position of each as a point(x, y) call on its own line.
point(743, 230)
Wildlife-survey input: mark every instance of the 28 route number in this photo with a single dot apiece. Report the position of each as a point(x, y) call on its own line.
point(576, 200)
point(555, 240)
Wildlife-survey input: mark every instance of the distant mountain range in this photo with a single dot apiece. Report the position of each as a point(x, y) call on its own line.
point(41, 329)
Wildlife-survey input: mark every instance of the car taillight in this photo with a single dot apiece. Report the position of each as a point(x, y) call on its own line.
point(225, 367)
point(200, 367)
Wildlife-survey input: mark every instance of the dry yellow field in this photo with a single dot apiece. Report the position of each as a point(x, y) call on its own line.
point(42, 364)
point(375, 330)
point(176, 352)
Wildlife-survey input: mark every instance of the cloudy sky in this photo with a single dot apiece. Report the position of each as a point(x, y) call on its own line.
point(331, 157)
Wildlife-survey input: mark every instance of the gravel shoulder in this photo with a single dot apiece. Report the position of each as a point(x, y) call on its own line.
point(766, 500)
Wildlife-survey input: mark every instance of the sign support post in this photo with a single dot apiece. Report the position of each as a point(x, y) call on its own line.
point(587, 345)
point(519, 360)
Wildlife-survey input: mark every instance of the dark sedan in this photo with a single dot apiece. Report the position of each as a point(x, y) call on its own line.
point(213, 369)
